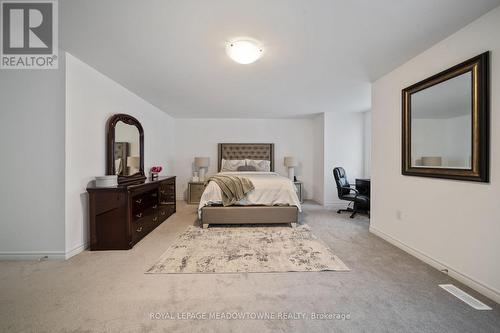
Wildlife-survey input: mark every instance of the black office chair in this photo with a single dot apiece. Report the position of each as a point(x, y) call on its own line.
point(361, 203)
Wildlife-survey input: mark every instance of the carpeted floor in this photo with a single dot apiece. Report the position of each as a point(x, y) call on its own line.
point(386, 290)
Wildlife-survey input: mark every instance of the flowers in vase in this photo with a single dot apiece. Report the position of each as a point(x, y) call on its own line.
point(156, 169)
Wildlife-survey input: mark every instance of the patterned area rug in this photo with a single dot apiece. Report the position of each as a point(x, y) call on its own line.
point(247, 249)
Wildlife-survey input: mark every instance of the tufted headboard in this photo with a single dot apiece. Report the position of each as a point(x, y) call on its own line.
point(251, 151)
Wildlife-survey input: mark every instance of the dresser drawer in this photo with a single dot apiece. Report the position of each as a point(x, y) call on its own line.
point(139, 229)
point(165, 212)
point(145, 213)
point(168, 198)
point(145, 224)
point(144, 201)
point(167, 193)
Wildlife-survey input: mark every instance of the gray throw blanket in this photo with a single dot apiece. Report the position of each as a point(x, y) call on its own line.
point(233, 188)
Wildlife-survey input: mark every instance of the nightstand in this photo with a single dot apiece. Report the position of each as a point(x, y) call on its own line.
point(195, 190)
point(300, 191)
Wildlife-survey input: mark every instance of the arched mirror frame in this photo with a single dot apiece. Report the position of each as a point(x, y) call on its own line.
point(138, 177)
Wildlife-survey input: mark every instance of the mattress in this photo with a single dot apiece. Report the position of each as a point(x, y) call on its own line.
point(271, 189)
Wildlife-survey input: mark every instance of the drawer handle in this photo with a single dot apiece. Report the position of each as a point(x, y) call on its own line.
point(154, 194)
point(163, 192)
point(139, 229)
point(138, 201)
point(155, 219)
point(155, 206)
point(162, 213)
point(139, 215)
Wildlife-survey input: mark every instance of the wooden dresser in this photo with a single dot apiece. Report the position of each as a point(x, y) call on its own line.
point(121, 216)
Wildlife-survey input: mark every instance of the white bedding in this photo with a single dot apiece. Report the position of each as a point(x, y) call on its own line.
point(271, 189)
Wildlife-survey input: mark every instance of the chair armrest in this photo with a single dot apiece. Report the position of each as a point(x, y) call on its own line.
point(350, 189)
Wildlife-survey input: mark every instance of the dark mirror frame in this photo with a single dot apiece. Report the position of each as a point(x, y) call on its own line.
point(479, 171)
point(138, 177)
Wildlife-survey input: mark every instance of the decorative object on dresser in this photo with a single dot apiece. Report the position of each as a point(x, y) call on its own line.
point(201, 163)
point(154, 171)
point(300, 191)
point(106, 181)
point(125, 144)
point(195, 190)
point(120, 216)
point(291, 163)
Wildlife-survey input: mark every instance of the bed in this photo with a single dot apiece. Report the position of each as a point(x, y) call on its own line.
point(274, 199)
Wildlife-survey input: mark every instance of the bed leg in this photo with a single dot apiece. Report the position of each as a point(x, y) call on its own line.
point(205, 225)
point(294, 225)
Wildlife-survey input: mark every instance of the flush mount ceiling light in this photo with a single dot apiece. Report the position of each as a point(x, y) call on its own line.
point(244, 51)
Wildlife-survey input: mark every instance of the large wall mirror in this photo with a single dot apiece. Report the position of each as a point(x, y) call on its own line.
point(125, 149)
point(445, 124)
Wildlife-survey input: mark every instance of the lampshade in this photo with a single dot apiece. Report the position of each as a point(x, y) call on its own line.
point(431, 161)
point(201, 162)
point(133, 162)
point(290, 161)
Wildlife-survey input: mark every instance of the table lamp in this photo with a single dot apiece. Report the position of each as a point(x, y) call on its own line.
point(291, 163)
point(201, 163)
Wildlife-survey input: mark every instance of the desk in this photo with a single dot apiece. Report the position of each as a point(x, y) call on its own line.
point(363, 187)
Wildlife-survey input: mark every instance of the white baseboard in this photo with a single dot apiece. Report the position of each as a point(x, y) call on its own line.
point(33, 255)
point(75, 251)
point(335, 204)
point(466, 280)
point(42, 255)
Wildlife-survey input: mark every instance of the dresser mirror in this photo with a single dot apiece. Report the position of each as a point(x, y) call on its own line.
point(125, 149)
point(445, 123)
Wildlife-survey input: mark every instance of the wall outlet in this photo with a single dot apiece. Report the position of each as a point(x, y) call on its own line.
point(399, 215)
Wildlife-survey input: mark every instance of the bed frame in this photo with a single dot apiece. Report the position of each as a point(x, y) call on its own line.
point(248, 214)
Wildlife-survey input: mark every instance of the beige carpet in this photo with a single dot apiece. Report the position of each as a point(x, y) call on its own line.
point(234, 249)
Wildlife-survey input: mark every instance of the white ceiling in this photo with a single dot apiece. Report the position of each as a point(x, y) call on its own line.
point(320, 55)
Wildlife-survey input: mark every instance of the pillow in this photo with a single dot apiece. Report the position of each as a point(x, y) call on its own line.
point(260, 165)
point(247, 168)
point(231, 165)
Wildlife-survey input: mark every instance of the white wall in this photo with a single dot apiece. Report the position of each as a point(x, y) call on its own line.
point(318, 158)
point(199, 137)
point(453, 224)
point(367, 143)
point(32, 150)
point(91, 99)
point(343, 147)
